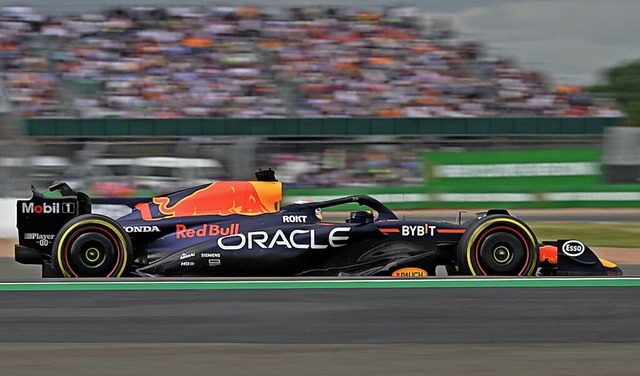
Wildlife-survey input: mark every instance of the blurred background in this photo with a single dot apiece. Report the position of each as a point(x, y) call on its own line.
point(428, 105)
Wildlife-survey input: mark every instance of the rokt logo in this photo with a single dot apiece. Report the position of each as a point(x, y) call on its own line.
point(53, 208)
point(294, 219)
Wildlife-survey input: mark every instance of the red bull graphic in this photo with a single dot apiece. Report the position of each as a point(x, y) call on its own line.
point(549, 253)
point(219, 198)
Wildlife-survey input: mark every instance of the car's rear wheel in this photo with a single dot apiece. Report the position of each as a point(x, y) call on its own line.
point(498, 245)
point(92, 245)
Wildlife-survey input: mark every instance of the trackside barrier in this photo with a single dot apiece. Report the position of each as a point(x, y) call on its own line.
point(53, 127)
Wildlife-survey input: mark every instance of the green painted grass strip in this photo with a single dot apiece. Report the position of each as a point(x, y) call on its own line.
point(315, 284)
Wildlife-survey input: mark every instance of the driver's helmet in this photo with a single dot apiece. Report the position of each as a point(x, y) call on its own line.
point(361, 216)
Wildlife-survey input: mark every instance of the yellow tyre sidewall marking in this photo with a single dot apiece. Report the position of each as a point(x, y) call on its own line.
point(480, 229)
point(99, 222)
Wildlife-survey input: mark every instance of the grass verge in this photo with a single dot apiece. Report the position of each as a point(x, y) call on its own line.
point(605, 234)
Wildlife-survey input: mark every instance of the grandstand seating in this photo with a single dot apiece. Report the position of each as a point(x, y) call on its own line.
point(247, 62)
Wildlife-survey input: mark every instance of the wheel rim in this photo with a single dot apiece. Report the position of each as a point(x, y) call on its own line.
point(92, 257)
point(92, 254)
point(501, 253)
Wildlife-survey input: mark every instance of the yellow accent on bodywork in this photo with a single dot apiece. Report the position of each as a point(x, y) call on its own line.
point(607, 263)
point(484, 226)
point(97, 222)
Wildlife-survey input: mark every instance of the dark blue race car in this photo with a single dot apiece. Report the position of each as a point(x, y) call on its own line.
point(237, 228)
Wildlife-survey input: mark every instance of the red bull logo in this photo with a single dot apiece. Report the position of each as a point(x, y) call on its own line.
point(549, 253)
point(220, 198)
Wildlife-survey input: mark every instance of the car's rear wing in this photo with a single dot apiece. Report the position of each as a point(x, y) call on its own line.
point(39, 218)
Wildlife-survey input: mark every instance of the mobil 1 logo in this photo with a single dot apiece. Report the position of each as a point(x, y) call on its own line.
point(44, 207)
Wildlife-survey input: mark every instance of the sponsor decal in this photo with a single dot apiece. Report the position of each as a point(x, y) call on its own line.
point(49, 208)
point(187, 263)
point(426, 230)
point(214, 262)
point(210, 255)
point(410, 272)
point(36, 236)
point(134, 229)
point(296, 239)
point(182, 232)
point(42, 239)
point(294, 219)
point(186, 255)
point(573, 248)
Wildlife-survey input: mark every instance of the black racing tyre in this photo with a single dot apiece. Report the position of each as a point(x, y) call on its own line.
point(92, 245)
point(498, 245)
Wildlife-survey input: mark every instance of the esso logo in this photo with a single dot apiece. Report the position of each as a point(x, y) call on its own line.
point(573, 248)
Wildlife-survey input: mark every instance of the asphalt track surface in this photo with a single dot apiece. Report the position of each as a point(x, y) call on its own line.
point(413, 331)
point(479, 331)
point(437, 331)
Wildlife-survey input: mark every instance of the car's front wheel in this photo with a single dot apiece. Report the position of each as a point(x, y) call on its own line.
point(92, 245)
point(498, 245)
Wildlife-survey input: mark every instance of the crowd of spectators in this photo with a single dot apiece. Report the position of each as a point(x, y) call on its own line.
point(237, 61)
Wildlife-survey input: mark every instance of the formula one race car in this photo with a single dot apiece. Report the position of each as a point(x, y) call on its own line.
point(237, 228)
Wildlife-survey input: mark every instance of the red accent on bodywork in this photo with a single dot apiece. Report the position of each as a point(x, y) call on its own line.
point(145, 211)
point(451, 230)
point(549, 253)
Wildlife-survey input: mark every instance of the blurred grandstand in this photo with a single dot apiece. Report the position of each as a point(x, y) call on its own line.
point(248, 62)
